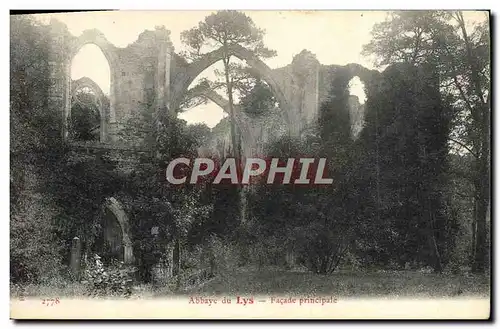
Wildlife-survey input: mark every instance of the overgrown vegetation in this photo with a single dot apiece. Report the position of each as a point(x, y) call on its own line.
point(112, 280)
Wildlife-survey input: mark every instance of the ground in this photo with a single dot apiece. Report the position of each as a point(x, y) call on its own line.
point(347, 284)
point(399, 284)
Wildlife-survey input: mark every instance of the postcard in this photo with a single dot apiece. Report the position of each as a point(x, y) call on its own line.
point(250, 165)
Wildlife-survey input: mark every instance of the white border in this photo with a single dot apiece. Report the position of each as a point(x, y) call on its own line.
point(192, 5)
point(255, 4)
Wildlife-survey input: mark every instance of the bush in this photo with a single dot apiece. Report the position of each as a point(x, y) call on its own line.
point(268, 251)
point(36, 259)
point(226, 256)
point(216, 255)
point(113, 280)
point(321, 249)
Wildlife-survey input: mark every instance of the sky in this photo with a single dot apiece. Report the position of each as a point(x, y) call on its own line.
point(335, 37)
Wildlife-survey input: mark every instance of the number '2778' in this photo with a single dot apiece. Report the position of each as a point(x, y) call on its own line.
point(50, 301)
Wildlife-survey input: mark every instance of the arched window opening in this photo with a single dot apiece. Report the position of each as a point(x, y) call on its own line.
point(207, 112)
point(89, 102)
point(357, 99)
point(248, 82)
point(197, 108)
point(85, 119)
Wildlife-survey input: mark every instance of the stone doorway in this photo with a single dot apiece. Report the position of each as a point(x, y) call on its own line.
point(114, 243)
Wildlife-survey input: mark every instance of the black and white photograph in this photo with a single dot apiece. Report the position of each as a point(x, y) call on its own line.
point(250, 164)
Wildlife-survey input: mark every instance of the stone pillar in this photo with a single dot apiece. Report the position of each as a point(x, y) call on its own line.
point(128, 254)
point(313, 117)
point(58, 93)
point(308, 95)
point(160, 75)
point(122, 218)
point(304, 85)
point(168, 61)
point(59, 89)
point(76, 255)
point(103, 131)
point(112, 93)
point(162, 83)
point(66, 81)
point(112, 125)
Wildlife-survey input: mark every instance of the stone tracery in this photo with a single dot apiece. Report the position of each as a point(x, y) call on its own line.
point(149, 72)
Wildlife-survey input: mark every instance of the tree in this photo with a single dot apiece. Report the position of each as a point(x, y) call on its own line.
point(258, 100)
point(200, 133)
point(314, 223)
point(58, 193)
point(85, 119)
point(462, 57)
point(34, 126)
point(407, 126)
point(77, 186)
point(149, 198)
point(224, 29)
point(34, 134)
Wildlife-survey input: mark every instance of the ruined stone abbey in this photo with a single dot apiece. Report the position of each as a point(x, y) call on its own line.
point(150, 71)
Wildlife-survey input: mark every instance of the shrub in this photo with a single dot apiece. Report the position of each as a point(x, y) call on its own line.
point(36, 259)
point(321, 249)
point(113, 280)
point(226, 256)
point(216, 255)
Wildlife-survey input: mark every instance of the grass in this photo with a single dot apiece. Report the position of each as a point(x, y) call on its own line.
point(347, 284)
point(279, 282)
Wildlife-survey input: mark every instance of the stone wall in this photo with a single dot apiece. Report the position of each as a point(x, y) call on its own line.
point(149, 73)
point(139, 73)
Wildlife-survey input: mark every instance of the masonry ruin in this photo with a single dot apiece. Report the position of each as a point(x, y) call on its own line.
point(149, 72)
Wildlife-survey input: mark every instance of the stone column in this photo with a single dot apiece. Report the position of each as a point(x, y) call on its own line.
point(59, 94)
point(122, 218)
point(313, 118)
point(59, 64)
point(160, 75)
point(304, 86)
point(162, 83)
point(168, 60)
point(128, 253)
point(76, 255)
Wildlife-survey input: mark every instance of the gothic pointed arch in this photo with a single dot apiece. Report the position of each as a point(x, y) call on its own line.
point(190, 71)
point(116, 208)
point(86, 82)
point(97, 38)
